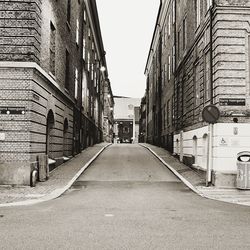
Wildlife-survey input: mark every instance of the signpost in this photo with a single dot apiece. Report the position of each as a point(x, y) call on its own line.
point(210, 114)
point(12, 110)
point(232, 102)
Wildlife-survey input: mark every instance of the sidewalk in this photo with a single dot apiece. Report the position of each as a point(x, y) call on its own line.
point(196, 181)
point(59, 181)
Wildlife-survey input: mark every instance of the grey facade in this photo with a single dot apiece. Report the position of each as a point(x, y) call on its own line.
point(200, 56)
point(52, 88)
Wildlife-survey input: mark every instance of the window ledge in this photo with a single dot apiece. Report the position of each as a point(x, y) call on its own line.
point(52, 75)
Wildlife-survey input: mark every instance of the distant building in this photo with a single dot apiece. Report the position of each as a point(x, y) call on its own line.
point(200, 56)
point(126, 119)
point(142, 121)
point(51, 81)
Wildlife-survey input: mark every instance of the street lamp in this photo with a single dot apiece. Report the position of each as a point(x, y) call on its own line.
point(103, 68)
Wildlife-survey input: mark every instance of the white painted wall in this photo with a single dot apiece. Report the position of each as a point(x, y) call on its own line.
point(226, 144)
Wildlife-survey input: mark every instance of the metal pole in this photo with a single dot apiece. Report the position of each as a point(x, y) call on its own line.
point(209, 154)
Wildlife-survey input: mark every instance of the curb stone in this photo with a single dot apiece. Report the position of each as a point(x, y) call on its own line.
point(59, 191)
point(185, 181)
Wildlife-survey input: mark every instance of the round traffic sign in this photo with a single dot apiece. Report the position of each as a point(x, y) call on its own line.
point(210, 114)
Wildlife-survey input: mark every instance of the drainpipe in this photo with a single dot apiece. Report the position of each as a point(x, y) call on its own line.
point(211, 127)
point(211, 53)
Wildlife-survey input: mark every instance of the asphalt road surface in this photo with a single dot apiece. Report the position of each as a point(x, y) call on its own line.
point(126, 200)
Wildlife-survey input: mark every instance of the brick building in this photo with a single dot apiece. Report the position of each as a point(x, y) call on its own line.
point(142, 121)
point(52, 85)
point(108, 124)
point(200, 56)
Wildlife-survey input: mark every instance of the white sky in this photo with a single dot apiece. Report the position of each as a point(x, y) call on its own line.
point(127, 28)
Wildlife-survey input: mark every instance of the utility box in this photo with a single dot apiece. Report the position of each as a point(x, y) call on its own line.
point(243, 170)
point(43, 168)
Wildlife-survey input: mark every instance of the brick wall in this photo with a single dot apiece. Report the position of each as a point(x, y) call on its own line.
point(55, 12)
point(20, 23)
point(25, 134)
point(230, 48)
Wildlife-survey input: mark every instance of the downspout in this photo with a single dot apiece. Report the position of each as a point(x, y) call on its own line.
point(160, 90)
point(174, 74)
point(175, 60)
point(211, 53)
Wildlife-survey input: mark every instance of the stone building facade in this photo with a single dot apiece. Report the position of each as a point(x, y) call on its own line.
point(199, 56)
point(126, 119)
point(51, 93)
point(108, 125)
point(142, 121)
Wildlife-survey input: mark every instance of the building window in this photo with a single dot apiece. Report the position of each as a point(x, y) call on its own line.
point(195, 149)
point(84, 15)
point(165, 34)
point(164, 74)
point(84, 48)
point(52, 48)
point(68, 11)
point(197, 84)
point(77, 31)
point(207, 77)
point(162, 78)
point(169, 25)
point(92, 71)
point(164, 117)
point(169, 67)
point(172, 109)
point(168, 112)
point(197, 12)
point(88, 60)
point(173, 59)
point(204, 150)
point(184, 31)
point(95, 79)
point(178, 44)
point(84, 90)
point(207, 36)
point(173, 11)
point(67, 65)
point(76, 83)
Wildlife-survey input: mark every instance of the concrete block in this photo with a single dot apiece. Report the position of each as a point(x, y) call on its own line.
point(15, 173)
point(224, 179)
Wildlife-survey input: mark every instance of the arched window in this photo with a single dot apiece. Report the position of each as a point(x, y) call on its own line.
point(65, 137)
point(49, 133)
point(204, 151)
point(195, 149)
point(177, 147)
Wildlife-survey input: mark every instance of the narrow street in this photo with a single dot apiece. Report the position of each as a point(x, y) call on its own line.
point(126, 200)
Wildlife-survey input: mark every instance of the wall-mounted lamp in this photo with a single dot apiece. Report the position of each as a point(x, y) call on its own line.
point(103, 68)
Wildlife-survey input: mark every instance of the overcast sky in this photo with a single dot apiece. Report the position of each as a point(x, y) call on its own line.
point(127, 29)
